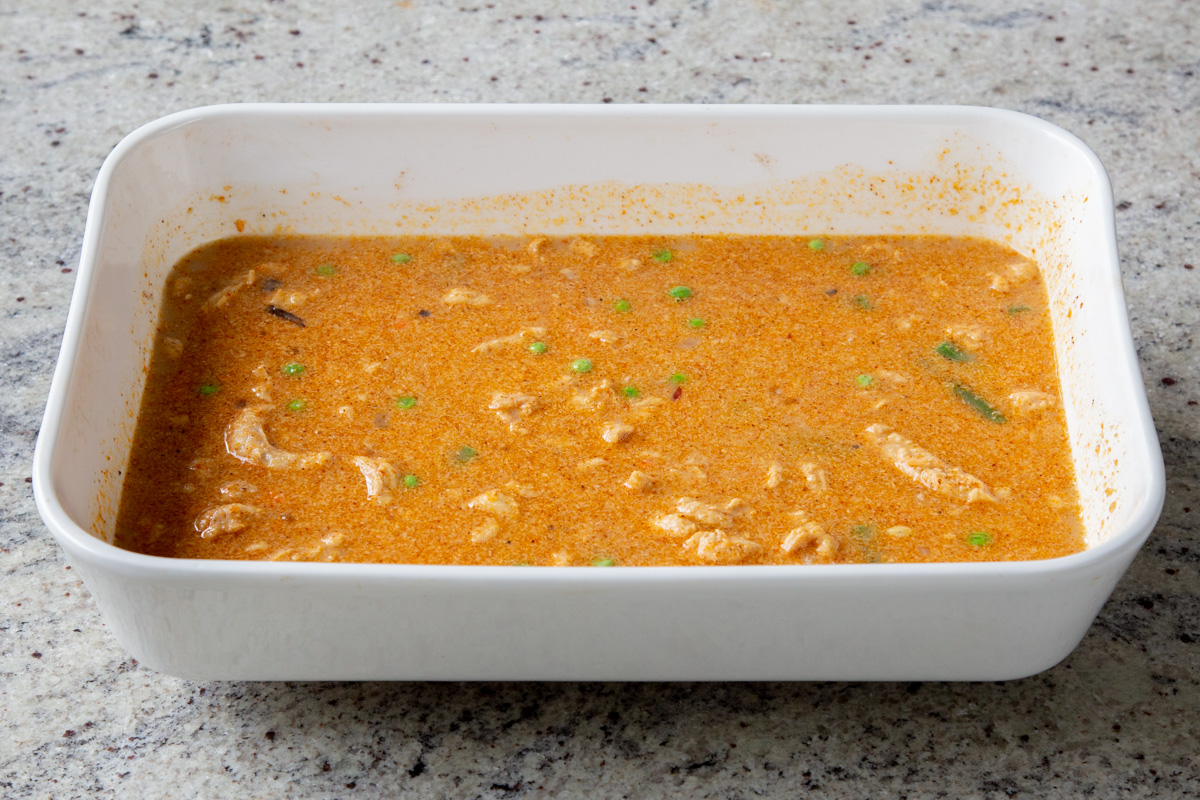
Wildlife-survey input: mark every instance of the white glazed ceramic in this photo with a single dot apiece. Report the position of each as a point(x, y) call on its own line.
point(193, 176)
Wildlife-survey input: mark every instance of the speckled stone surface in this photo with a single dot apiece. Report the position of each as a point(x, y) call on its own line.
point(1119, 718)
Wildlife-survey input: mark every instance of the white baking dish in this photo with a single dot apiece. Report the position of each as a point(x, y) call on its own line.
point(203, 174)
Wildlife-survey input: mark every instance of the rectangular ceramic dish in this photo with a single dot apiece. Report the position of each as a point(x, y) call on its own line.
point(393, 169)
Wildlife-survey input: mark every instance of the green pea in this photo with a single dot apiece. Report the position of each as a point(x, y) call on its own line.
point(860, 268)
point(293, 368)
point(663, 256)
point(865, 380)
point(695, 322)
point(622, 306)
point(209, 389)
point(816, 244)
point(631, 391)
point(412, 481)
point(326, 270)
point(979, 538)
point(401, 258)
point(407, 401)
point(298, 404)
point(465, 454)
point(679, 378)
point(680, 293)
point(863, 302)
point(582, 365)
point(537, 348)
point(603, 562)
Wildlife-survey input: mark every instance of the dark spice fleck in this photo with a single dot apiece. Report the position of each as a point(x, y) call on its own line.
point(271, 284)
point(271, 735)
point(1168, 381)
point(1188, 266)
point(424, 313)
point(325, 767)
point(67, 734)
point(831, 292)
point(36, 654)
point(276, 311)
point(678, 393)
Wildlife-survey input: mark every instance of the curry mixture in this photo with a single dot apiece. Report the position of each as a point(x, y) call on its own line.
point(603, 401)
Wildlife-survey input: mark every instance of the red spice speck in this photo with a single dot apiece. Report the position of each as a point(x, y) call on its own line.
point(1168, 381)
point(678, 393)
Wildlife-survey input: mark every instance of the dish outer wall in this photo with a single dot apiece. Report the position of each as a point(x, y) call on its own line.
point(391, 169)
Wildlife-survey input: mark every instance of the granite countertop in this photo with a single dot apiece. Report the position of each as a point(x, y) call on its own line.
point(1116, 718)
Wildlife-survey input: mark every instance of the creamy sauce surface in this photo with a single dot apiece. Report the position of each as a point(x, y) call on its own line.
point(605, 401)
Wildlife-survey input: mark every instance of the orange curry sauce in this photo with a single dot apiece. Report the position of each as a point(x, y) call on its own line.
point(603, 401)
